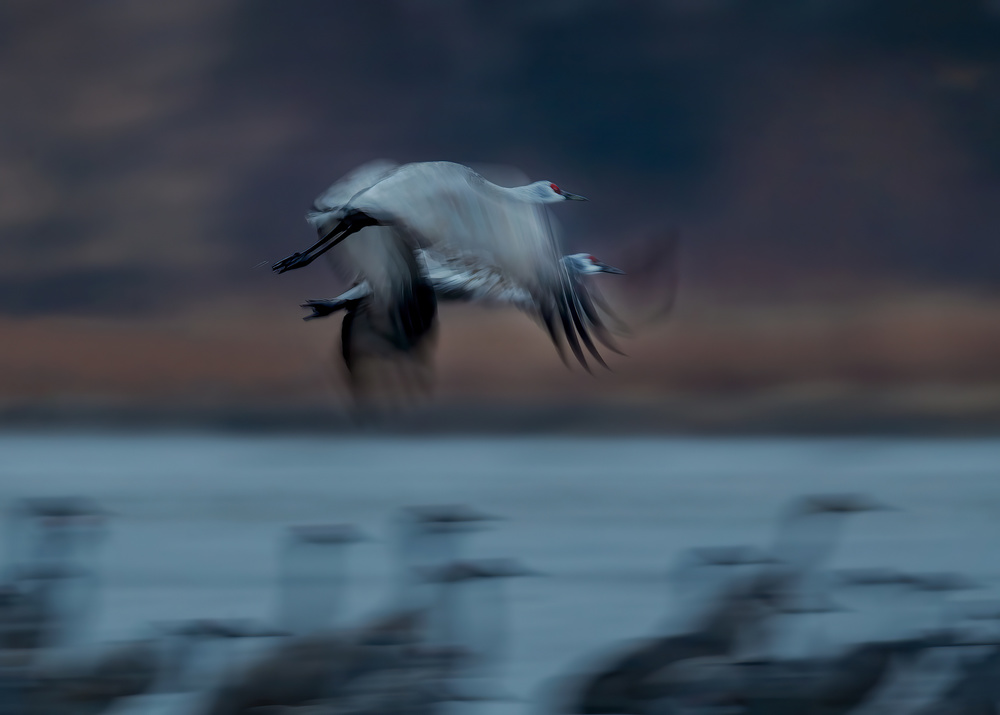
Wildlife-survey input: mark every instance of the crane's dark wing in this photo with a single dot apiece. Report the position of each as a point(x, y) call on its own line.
point(400, 307)
point(387, 352)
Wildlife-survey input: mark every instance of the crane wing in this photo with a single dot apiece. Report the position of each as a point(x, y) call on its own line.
point(349, 259)
point(382, 256)
point(344, 189)
point(381, 367)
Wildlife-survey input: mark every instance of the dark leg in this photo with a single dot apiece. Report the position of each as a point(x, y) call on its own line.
point(323, 308)
point(344, 301)
point(351, 223)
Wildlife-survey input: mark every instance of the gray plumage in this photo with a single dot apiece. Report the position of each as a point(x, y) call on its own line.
point(459, 216)
point(459, 279)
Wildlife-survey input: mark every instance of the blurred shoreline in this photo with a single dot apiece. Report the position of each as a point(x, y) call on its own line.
point(912, 365)
point(910, 413)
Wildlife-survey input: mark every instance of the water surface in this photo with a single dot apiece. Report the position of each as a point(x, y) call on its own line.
point(198, 517)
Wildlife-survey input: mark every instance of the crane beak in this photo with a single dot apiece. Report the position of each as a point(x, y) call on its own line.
point(605, 268)
point(573, 197)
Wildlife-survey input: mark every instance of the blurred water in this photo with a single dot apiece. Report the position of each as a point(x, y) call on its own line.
point(197, 517)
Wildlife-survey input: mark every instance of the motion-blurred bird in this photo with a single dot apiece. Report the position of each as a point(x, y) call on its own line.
point(734, 608)
point(331, 667)
point(467, 222)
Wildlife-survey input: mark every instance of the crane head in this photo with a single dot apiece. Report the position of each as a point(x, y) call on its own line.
point(549, 193)
point(585, 264)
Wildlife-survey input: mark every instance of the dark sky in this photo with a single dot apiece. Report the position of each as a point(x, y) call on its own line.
point(151, 153)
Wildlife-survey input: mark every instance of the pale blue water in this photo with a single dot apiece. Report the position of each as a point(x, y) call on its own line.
point(198, 517)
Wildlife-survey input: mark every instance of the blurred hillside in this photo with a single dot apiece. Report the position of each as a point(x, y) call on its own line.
point(832, 167)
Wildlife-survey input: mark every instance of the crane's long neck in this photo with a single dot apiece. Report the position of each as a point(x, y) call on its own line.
point(525, 193)
point(532, 193)
point(529, 192)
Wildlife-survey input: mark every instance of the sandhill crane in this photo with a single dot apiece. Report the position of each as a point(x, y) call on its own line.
point(347, 666)
point(629, 683)
point(807, 534)
point(50, 575)
point(98, 678)
point(314, 656)
point(313, 576)
point(53, 530)
point(431, 536)
point(452, 210)
point(427, 538)
point(739, 607)
point(859, 677)
point(393, 645)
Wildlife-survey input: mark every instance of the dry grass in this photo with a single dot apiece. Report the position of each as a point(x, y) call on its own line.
point(931, 350)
